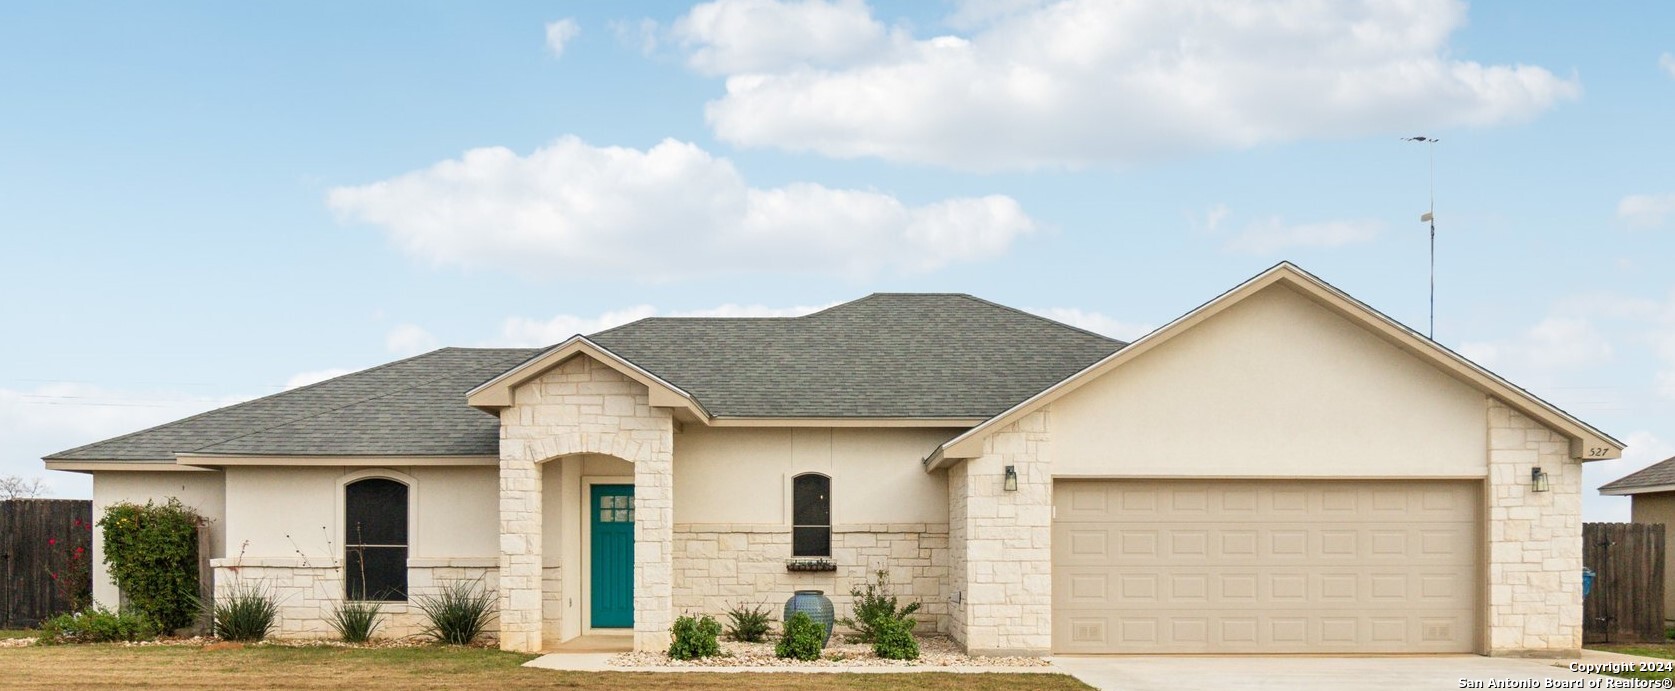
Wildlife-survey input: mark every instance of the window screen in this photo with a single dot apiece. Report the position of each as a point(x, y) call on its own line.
point(375, 540)
point(811, 516)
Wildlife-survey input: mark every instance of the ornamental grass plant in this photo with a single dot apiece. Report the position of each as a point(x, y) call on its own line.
point(458, 613)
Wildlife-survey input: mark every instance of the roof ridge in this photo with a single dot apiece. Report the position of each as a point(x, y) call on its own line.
point(385, 394)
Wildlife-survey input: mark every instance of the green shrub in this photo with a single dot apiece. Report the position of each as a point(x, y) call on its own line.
point(153, 556)
point(245, 613)
point(893, 640)
point(875, 603)
point(748, 625)
point(458, 614)
point(96, 625)
point(695, 637)
point(356, 621)
point(801, 639)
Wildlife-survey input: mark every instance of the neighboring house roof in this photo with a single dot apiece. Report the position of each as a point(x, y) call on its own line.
point(411, 407)
point(882, 356)
point(1587, 443)
point(1657, 477)
point(887, 355)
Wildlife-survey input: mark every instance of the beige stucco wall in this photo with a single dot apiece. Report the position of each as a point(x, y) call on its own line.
point(1660, 508)
point(876, 474)
point(1275, 385)
point(204, 491)
point(297, 512)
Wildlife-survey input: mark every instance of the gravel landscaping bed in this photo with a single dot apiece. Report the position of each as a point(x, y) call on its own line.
point(934, 651)
point(216, 643)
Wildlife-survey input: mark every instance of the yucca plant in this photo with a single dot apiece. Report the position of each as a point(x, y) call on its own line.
point(458, 613)
point(246, 613)
point(356, 621)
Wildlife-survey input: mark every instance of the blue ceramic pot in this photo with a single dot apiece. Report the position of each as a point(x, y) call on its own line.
point(816, 605)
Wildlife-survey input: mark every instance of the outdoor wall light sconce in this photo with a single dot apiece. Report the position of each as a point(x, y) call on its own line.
point(1538, 480)
point(1011, 483)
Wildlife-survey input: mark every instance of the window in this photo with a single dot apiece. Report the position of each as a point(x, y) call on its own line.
point(811, 515)
point(375, 540)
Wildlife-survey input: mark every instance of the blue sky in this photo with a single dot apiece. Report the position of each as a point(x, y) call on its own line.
point(206, 202)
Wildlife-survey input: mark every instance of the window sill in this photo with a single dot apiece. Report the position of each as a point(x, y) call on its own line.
point(810, 564)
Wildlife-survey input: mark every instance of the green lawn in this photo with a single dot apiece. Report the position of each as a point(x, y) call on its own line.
point(273, 667)
point(1658, 650)
point(16, 633)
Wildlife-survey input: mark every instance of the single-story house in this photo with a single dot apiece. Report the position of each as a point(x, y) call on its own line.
point(1651, 493)
point(1281, 470)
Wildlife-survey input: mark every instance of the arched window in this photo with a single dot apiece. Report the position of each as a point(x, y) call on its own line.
point(375, 540)
point(811, 515)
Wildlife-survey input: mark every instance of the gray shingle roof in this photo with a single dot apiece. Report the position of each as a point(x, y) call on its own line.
point(885, 355)
point(408, 407)
point(1654, 475)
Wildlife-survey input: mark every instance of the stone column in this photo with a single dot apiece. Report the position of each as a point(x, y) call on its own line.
point(1534, 539)
point(1006, 606)
point(520, 554)
point(654, 532)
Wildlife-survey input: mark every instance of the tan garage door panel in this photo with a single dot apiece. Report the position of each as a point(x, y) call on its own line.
point(1265, 566)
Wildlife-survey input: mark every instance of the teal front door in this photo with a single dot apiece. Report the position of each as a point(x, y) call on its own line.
point(612, 518)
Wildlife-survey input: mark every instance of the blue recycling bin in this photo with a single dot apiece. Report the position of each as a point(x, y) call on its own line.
point(1587, 581)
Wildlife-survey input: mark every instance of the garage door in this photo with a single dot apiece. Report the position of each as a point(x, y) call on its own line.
point(1265, 566)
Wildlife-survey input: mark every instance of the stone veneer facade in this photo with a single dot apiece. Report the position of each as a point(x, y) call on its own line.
point(583, 406)
point(1000, 567)
point(307, 591)
point(1534, 540)
point(718, 566)
point(1000, 577)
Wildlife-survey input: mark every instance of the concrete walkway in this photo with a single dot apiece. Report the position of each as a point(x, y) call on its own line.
point(1193, 672)
point(1298, 673)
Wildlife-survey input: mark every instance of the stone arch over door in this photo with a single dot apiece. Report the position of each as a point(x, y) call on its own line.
point(584, 406)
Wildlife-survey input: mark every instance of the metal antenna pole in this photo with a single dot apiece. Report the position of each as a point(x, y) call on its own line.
point(1431, 217)
point(1431, 148)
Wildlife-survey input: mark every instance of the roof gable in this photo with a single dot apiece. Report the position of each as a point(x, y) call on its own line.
point(1587, 442)
point(497, 392)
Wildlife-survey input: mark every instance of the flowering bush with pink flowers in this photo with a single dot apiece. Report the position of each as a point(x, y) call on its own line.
point(69, 564)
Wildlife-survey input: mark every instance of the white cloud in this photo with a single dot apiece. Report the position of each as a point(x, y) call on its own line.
point(1556, 342)
point(1096, 322)
point(1667, 62)
point(525, 331)
point(57, 416)
point(1272, 235)
point(559, 34)
point(1646, 210)
point(1087, 82)
point(639, 35)
point(747, 36)
point(670, 211)
point(1644, 449)
point(301, 379)
point(409, 339)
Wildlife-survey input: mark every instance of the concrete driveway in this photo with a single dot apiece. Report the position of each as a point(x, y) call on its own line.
point(1299, 673)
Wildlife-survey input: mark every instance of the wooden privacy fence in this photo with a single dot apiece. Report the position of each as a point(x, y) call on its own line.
point(38, 541)
point(1626, 604)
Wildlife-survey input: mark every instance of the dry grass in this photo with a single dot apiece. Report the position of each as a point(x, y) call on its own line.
point(266, 667)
